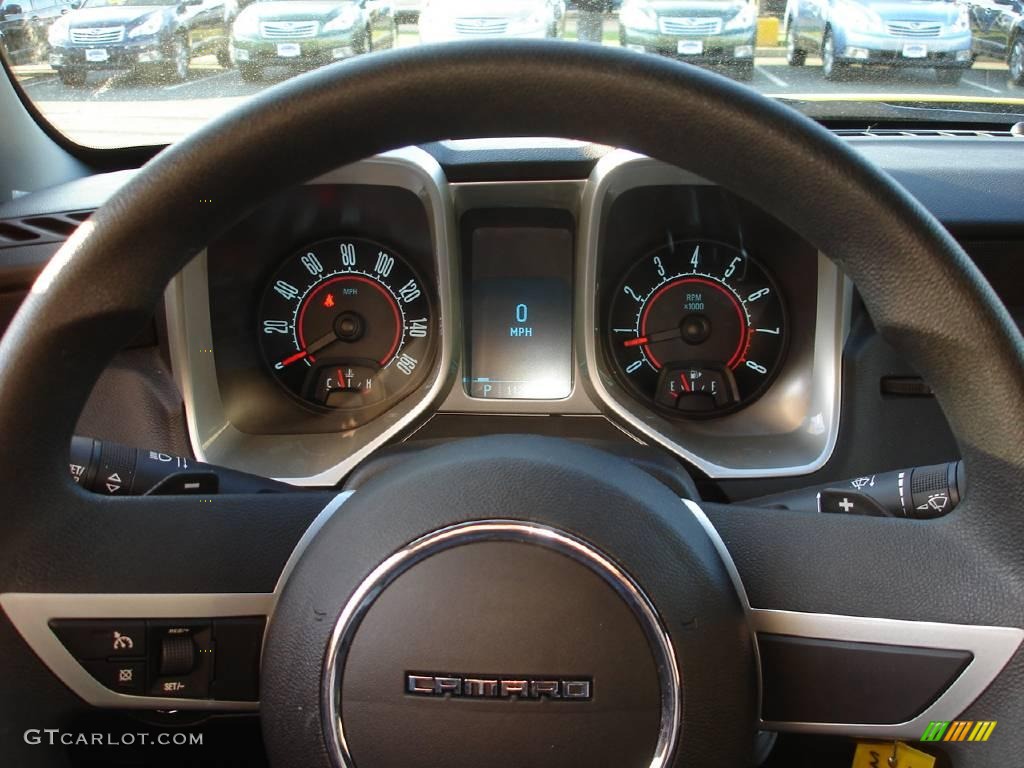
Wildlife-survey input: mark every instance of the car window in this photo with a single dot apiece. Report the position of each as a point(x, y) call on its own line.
point(116, 73)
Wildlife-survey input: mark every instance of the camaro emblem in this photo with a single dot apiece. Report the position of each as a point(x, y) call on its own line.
point(496, 687)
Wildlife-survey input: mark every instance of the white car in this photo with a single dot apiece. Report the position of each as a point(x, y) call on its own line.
point(446, 20)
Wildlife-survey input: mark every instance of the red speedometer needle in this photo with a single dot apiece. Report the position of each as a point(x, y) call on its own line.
point(316, 346)
point(294, 358)
point(636, 342)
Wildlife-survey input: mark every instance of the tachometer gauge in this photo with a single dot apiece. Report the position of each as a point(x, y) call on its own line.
point(697, 328)
point(346, 324)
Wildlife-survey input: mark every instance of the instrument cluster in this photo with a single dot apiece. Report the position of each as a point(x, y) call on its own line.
point(353, 309)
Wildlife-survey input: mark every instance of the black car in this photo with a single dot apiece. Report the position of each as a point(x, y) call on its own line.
point(153, 36)
point(997, 27)
point(24, 25)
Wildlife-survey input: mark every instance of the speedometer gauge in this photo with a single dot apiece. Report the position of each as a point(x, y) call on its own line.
point(697, 328)
point(346, 324)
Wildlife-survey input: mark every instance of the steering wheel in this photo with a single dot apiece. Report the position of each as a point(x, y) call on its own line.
point(518, 601)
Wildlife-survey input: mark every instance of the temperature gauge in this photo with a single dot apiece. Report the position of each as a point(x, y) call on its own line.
point(349, 386)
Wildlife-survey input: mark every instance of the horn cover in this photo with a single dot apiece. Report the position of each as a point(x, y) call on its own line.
point(509, 601)
point(527, 643)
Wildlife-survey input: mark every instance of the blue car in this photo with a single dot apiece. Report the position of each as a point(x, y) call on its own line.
point(896, 33)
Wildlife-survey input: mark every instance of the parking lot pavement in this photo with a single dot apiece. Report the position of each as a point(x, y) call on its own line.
point(988, 82)
point(115, 109)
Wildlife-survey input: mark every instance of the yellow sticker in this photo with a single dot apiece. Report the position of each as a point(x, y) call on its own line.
point(874, 754)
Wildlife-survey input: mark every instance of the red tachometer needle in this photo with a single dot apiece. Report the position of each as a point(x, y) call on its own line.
point(653, 338)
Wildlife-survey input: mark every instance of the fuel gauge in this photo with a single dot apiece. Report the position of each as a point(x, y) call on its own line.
point(694, 389)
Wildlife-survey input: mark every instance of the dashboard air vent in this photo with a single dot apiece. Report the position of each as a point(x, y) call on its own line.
point(37, 230)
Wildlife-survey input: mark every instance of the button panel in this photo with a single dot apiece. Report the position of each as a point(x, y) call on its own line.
point(169, 658)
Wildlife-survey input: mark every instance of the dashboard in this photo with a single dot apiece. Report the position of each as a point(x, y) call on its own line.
point(350, 311)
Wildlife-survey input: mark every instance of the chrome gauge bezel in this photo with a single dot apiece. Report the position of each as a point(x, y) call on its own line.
point(791, 429)
point(314, 459)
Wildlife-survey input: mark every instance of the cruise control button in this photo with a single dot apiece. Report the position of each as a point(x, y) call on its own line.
point(113, 638)
point(185, 658)
point(121, 676)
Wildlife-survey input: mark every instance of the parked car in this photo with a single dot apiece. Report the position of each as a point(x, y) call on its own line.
point(445, 20)
point(24, 25)
point(909, 33)
point(716, 32)
point(308, 33)
point(407, 11)
point(146, 36)
point(997, 28)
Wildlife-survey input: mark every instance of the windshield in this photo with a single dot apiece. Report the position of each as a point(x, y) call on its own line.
point(109, 73)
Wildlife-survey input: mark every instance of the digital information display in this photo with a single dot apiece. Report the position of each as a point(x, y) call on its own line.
point(519, 296)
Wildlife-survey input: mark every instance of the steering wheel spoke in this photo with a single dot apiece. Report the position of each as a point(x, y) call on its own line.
point(862, 627)
point(80, 542)
point(149, 602)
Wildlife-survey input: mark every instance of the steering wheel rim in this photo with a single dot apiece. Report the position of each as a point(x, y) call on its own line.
point(103, 284)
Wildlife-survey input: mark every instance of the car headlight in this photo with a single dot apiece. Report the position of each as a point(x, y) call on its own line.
point(744, 19)
point(637, 14)
point(149, 27)
point(246, 25)
point(58, 32)
point(963, 20)
point(857, 17)
point(344, 21)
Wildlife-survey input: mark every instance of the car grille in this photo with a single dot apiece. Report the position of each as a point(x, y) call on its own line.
point(914, 29)
point(481, 26)
point(702, 25)
point(97, 35)
point(289, 30)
